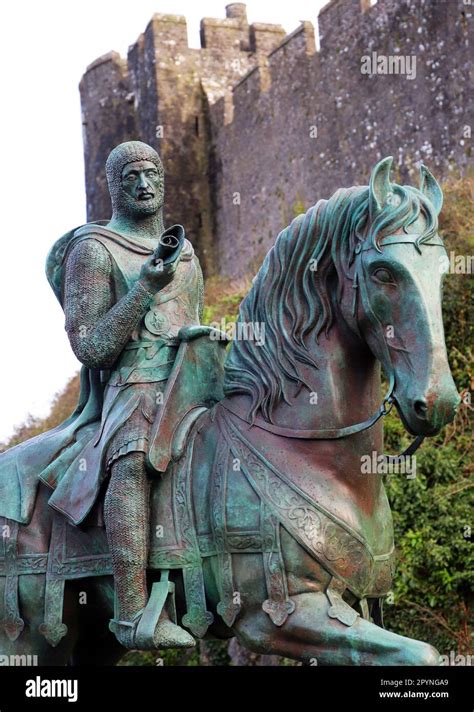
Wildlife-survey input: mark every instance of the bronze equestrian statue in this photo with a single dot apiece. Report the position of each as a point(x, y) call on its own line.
point(198, 492)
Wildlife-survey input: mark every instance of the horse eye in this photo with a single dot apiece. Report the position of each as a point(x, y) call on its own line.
point(384, 276)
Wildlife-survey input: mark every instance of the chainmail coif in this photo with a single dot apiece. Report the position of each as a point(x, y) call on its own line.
point(124, 153)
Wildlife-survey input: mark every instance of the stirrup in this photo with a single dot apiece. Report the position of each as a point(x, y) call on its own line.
point(141, 632)
point(125, 631)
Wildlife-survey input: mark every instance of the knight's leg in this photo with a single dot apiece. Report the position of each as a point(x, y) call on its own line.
point(126, 511)
point(311, 636)
point(126, 521)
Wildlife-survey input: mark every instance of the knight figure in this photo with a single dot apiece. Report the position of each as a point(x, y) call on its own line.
point(123, 308)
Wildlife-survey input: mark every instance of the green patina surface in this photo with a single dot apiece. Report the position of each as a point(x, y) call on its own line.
point(379, 245)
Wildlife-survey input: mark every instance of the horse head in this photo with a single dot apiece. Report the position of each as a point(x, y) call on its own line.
point(398, 265)
point(365, 269)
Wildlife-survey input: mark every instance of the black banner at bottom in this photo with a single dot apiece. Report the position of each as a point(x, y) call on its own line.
point(375, 688)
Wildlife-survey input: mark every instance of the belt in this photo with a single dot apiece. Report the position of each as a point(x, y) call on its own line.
point(132, 345)
point(152, 365)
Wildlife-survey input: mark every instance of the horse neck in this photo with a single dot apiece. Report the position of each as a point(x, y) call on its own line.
point(343, 389)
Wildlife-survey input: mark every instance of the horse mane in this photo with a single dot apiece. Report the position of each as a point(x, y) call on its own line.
point(292, 294)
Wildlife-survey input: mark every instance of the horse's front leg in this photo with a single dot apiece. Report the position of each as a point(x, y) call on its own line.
point(312, 637)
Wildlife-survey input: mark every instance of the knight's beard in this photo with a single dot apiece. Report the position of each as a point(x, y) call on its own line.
point(125, 204)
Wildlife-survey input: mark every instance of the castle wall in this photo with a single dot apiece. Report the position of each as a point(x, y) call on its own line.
point(320, 124)
point(255, 126)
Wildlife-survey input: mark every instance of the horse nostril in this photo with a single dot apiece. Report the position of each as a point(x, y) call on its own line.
point(420, 408)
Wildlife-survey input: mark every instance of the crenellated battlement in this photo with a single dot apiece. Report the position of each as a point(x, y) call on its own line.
point(264, 37)
point(280, 119)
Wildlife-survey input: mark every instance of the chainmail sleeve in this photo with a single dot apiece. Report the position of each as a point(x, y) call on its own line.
point(98, 329)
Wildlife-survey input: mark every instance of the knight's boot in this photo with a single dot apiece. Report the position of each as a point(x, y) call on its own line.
point(139, 623)
point(166, 634)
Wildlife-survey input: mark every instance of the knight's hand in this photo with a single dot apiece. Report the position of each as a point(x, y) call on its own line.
point(154, 275)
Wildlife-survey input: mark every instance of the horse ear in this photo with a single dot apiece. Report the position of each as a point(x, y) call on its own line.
point(429, 186)
point(379, 187)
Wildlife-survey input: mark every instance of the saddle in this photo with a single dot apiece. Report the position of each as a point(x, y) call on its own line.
point(194, 385)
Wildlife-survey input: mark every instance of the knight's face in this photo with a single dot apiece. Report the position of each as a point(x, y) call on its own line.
point(142, 188)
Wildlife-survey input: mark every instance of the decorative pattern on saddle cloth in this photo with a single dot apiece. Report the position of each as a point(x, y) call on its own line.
point(12, 623)
point(278, 605)
point(338, 548)
point(53, 627)
point(73, 553)
point(229, 605)
point(186, 555)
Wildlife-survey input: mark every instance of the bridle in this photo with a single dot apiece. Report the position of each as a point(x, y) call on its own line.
point(360, 292)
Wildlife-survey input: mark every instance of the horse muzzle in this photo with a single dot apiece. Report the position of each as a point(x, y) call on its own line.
point(426, 412)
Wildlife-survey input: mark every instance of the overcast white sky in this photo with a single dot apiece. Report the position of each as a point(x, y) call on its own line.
point(45, 47)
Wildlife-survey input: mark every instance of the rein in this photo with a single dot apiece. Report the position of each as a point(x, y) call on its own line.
point(387, 403)
point(328, 434)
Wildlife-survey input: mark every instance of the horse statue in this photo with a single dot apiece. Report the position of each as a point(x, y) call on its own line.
point(266, 526)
